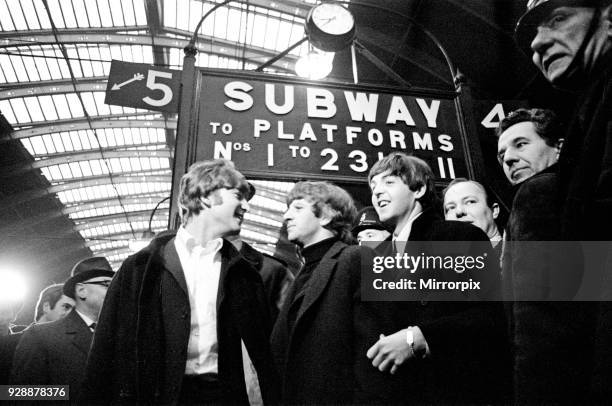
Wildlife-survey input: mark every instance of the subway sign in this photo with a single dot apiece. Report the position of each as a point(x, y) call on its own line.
point(285, 128)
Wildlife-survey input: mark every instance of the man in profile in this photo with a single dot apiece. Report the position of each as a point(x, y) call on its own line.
point(55, 353)
point(176, 316)
point(570, 42)
point(539, 277)
point(52, 304)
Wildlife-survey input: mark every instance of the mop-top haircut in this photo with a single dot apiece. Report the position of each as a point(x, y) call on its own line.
point(331, 200)
point(205, 177)
point(413, 171)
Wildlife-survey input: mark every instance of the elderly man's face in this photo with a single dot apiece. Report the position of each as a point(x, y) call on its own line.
point(522, 152)
point(558, 39)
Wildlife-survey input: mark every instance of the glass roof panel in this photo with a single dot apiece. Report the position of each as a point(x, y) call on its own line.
point(7, 23)
point(68, 13)
point(61, 105)
point(140, 12)
point(169, 13)
point(56, 14)
point(93, 16)
point(105, 14)
point(116, 12)
point(128, 13)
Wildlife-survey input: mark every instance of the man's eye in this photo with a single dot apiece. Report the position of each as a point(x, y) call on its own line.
point(556, 20)
point(471, 201)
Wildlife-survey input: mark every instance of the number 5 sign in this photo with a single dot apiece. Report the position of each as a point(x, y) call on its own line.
point(143, 86)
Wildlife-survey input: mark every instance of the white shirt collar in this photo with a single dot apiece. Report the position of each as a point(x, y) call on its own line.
point(86, 319)
point(187, 240)
point(405, 232)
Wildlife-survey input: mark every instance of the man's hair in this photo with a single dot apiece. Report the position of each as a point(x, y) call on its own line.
point(331, 200)
point(204, 178)
point(490, 200)
point(413, 171)
point(51, 294)
point(547, 124)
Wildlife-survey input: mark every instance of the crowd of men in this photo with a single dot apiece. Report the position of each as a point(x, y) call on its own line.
point(201, 317)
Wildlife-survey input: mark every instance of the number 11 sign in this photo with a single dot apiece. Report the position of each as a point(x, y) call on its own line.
point(143, 86)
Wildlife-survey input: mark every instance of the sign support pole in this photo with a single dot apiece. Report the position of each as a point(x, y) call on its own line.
point(184, 138)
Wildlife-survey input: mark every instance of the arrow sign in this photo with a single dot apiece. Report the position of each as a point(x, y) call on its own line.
point(138, 76)
point(150, 87)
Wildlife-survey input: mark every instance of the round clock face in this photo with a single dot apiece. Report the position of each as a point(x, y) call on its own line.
point(332, 18)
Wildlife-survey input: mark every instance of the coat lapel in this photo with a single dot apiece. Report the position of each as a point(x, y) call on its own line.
point(320, 278)
point(173, 264)
point(80, 334)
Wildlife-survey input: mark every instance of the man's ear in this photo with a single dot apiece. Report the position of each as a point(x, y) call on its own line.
point(80, 291)
point(326, 216)
point(495, 210)
point(46, 307)
point(420, 192)
point(206, 203)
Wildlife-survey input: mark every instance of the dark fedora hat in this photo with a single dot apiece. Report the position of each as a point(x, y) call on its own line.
point(367, 218)
point(86, 269)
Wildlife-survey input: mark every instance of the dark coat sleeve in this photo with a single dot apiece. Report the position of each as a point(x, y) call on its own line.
point(550, 336)
point(100, 384)
point(276, 278)
point(30, 360)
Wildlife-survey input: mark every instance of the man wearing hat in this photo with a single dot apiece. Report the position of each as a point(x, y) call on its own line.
point(55, 353)
point(570, 41)
point(369, 227)
point(178, 311)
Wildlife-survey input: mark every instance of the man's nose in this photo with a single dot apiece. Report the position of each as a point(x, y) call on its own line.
point(287, 215)
point(244, 204)
point(460, 211)
point(540, 42)
point(376, 189)
point(510, 157)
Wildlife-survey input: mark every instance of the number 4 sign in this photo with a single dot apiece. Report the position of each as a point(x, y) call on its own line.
point(143, 86)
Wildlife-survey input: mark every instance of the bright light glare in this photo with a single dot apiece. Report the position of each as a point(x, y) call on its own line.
point(12, 286)
point(314, 65)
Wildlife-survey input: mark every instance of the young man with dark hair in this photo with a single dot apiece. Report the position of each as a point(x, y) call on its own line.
point(178, 311)
point(313, 339)
point(529, 141)
point(437, 352)
point(52, 304)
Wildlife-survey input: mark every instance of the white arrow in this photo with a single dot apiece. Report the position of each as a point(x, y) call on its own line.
point(137, 76)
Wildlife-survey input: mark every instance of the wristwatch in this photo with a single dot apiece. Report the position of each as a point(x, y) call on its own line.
point(410, 342)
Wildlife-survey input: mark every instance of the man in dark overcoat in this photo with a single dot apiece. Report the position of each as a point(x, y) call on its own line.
point(313, 339)
point(55, 353)
point(540, 277)
point(175, 318)
point(570, 42)
point(436, 351)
